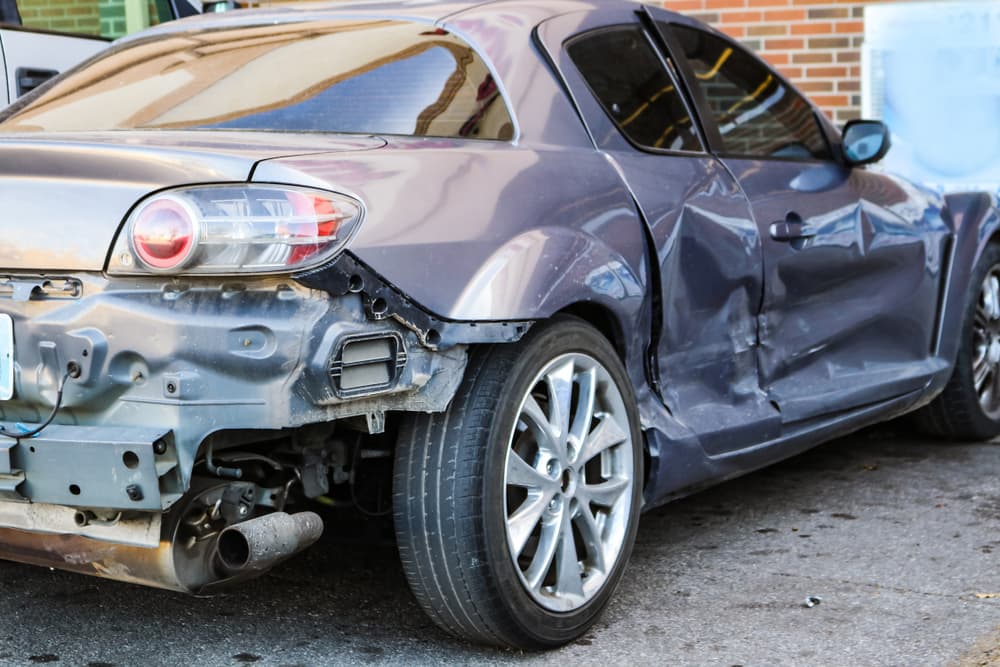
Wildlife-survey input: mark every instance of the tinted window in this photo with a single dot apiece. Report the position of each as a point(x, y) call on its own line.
point(756, 113)
point(631, 84)
point(381, 77)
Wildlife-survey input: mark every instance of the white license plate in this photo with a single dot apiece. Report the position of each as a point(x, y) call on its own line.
point(6, 357)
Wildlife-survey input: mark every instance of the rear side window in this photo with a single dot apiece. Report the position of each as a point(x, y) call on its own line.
point(368, 77)
point(629, 80)
point(757, 114)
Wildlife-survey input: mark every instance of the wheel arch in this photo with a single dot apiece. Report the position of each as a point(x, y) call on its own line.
point(975, 220)
point(601, 318)
point(607, 322)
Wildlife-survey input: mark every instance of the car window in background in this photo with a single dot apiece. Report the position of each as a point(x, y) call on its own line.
point(757, 114)
point(632, 85)
point(380, 77)
point(99, 18)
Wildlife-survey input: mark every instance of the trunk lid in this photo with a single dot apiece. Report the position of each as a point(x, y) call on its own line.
point(64, 196)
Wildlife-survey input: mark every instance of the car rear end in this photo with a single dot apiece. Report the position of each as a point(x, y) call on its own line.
point(170, 382)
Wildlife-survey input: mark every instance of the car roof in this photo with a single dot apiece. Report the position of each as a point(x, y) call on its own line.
point(423, 11)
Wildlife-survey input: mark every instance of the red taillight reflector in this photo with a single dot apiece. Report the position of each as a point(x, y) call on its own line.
point(163, 234)
point(326, 219)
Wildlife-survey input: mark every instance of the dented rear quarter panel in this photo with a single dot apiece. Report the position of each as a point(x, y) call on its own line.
point(487, 231)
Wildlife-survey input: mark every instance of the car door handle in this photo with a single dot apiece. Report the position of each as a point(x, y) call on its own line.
point(789, 230)
point(29, 78)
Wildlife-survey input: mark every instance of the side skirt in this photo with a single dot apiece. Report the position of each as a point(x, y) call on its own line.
point(680, 467)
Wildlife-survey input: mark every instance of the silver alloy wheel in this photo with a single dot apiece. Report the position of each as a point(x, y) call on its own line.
point(986, 344)
point(569, 475)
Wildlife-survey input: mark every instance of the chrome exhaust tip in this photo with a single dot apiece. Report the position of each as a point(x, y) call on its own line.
point(261, 543)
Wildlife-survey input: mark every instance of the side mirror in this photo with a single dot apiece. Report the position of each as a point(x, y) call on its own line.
point(865, 141)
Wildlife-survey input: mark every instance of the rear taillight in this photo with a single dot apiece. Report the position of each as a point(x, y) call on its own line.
point(223, 229)
point(163, 234)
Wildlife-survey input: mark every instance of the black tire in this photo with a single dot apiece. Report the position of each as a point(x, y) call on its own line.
point(957, 413)
point(449, 496)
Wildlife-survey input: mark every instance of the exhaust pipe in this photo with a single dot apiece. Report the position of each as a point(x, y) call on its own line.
point(259, 544)
point(188, 557)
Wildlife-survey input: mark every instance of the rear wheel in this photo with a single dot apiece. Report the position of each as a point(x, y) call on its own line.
point(969, 406)
point(516, 509)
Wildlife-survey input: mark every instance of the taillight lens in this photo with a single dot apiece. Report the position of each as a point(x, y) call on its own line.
point(224, 229)
point(164, 234)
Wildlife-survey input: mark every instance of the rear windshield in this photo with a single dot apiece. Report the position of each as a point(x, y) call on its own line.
point(379, 77)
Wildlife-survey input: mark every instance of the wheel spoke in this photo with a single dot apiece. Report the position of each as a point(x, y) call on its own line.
point(604, 494)
point(537, 421)
point(994, 292)
point(988, 301)
point(981, 317)
point(584, 408)
point(606, 434)
point(982, 349)
point(568, 576)
point(522, 522)
point(548, 541)
point(591, 534)
point(994, 390)
point(560, 386)
point(987, 394)
point(520, 473)
point(980, 372)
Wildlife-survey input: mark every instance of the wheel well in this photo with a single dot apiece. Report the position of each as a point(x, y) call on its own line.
point(604, 321)
point(601, 319)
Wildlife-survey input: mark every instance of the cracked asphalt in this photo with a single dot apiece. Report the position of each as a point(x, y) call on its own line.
point(898, 536)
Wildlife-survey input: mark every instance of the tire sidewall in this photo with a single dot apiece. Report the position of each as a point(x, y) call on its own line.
point(983, 425)
point(545, 627)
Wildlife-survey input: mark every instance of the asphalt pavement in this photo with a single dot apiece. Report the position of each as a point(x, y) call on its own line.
point(897, 537)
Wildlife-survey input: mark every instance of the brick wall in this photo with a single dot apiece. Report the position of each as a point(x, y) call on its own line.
point(815, 43)
point(78, 16)
point(87, 17)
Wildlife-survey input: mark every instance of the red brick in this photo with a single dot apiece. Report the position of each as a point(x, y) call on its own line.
point(783, 44)
point(809, 57)
point(830, 100)
point(785, 15)
point(724, 4)
point(736, 31)
point(791, 72)
point(815, 86)
point(826, 71)
point(829, 43)
point(812, 28)
point(767, 30)
point(779, 58)
point(851, 27)
point(740, 17)
point(684, 5)
point(829, 13)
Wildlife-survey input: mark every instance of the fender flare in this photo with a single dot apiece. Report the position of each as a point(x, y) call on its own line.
point(975, 221)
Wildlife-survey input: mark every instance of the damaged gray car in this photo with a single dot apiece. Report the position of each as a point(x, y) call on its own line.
point(511, 272)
